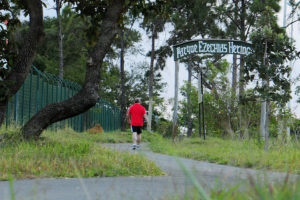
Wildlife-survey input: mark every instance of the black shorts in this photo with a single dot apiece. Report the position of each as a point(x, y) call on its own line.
point(136, 129)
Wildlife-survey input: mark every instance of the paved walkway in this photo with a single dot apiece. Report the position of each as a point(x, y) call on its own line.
point(139, 188)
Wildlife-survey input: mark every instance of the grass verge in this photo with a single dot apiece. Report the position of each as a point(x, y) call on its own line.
point(248, 153)
point(252, 190)
point(119, 137)
point(58, 154)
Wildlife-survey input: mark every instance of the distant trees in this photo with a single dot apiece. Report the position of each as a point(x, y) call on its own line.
point(272, 48)
point(126, 40)
point(74, 48)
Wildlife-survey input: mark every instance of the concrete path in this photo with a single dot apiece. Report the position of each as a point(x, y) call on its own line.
point(136, 188)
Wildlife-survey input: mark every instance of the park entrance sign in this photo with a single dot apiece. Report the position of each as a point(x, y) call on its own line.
point(204, 46)
point(211, 46)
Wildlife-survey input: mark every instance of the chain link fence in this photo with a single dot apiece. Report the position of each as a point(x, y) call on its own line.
point(41, 89)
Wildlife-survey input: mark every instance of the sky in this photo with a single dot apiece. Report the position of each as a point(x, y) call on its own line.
point(169, 72)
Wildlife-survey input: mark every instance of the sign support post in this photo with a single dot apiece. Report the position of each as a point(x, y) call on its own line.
point(175, 99)
point(199, 101)
point(203, 120)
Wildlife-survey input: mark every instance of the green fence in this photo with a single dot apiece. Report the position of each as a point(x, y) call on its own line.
point(41, 89)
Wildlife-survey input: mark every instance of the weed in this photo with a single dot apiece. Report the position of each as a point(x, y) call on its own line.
point(248, 154)
point(56, 153)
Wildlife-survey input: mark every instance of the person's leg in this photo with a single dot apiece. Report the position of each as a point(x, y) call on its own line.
point(134, 136)
point(139, 138)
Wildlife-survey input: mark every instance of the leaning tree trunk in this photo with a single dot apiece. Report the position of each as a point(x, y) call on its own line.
point(189, 110)
point(88, 96)
point(60, 40)
point(122, 74)
point(26, 53)
point(151, 78)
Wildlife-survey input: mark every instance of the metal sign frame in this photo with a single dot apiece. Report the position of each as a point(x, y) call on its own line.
point(204, 46)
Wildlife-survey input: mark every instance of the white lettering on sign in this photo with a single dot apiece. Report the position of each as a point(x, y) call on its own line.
point(205, 47)
point(187, 50)
point(239, 49)
point(226, 47)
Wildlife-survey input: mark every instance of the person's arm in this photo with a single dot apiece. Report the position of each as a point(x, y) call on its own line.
point(128, 117)
point(146, 118)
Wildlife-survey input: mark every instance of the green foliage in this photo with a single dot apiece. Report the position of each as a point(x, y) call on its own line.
point(59, 153)
point(74, 47)
point(249, 154)
point(8, 48)
point(164, 128)
point(220, 106)
point(270, 39)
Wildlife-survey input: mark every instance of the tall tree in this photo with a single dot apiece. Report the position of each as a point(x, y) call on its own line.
point(122, 71)
point(239, 19)
point(103, 17)
point(126, 40)
point(58, 7)
point(272, 48)
point(74, 48)
point(18, 57)
point(88, 96)
point(154, 25)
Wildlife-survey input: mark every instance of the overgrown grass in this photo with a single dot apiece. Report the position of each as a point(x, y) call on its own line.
point(120, 137)
point(58, 154)
point(251, 190)
point(248, 154)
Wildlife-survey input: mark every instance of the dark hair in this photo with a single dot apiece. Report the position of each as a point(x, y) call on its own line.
point(137, 100)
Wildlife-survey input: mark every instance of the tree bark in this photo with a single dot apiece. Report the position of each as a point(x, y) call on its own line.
point(244, 133)
point(151, 77)
point(26, 53)
point(122, 74)
point(60, 40)
point(88, 96)
point(189, 111)
point(264, 121)
point(242, 114)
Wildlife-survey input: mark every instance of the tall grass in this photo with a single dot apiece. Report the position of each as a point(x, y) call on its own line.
point(117, 137)
point(57, 152)
point(252, 190)
point(249, 154)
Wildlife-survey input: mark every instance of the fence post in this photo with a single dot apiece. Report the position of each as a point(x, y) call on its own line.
point(81, 123)
point(30, 86)
point(42, 94)
point(16, 109)
point(37, 93)
point(22, 105)
point(7, 115)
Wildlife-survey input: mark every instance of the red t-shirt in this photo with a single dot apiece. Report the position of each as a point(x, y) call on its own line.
point(136, 113)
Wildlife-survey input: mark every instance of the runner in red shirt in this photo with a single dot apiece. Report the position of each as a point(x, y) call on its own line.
point(135, 116)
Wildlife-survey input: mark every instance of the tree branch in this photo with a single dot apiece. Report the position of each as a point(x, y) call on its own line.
point(88, 96)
